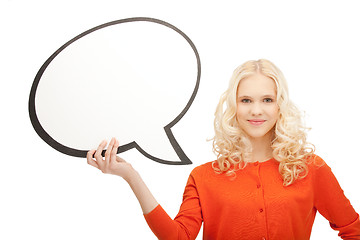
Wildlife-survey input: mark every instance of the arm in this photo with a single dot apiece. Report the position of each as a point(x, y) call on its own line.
point(187, 223)
point(112, 164)
point(334, 206)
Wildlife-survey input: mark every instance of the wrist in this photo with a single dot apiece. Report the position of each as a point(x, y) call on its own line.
point(132, 177)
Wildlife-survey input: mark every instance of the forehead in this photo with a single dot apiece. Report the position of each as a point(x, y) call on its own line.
point(256, 84)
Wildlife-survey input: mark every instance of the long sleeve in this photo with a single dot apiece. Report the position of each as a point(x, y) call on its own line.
point(186, 224)
point(331, 202)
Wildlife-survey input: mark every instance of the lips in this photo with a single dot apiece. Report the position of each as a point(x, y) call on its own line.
point(256, 122)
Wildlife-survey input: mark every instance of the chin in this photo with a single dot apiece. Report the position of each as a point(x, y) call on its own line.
point(259, 136)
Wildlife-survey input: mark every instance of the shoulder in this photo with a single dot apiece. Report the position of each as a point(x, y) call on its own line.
point(323, 178)
point(317, 165)
point(203, 169)
point(315, 161)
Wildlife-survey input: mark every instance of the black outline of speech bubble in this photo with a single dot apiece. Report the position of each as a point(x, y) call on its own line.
point(82, 153)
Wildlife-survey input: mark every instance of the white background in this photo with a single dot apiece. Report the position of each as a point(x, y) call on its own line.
point(49, 195)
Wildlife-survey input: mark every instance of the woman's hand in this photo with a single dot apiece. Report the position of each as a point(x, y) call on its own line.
point(115, 165)
point(111, 164)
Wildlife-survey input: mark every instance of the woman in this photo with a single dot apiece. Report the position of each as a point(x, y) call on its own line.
point(266, 182)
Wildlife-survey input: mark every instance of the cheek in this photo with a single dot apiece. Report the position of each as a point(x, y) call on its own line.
point(274, 112)
point(240, 112)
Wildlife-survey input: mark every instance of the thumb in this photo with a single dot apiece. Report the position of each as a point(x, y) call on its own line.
point(119, 159)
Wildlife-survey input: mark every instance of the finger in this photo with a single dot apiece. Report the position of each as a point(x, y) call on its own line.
point(90, 160)
point(109, 150)
point(90, 154)
point(114, 151)
point(93, 163)
point(98, 152)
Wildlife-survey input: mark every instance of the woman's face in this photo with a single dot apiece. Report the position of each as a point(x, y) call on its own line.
point(257, 109)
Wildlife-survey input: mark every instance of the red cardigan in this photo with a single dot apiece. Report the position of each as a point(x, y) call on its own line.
point(256, 205)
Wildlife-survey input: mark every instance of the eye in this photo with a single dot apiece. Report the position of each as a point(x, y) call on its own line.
point(245, 100)
point(268, 100)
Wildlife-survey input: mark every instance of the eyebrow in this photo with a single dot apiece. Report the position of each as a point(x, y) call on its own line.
point(264, 96)
point(269, 96)
point(244, 96)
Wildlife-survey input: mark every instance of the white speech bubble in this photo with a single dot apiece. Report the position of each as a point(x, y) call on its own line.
point(132, 79)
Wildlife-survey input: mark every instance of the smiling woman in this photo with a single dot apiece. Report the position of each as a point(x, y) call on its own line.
point(276, 183)
point(257, 110)
point(255, 120)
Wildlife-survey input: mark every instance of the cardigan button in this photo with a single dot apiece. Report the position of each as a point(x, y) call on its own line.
point(263, 238)
point(256, 163)
point(258, 186)
point(261, 210)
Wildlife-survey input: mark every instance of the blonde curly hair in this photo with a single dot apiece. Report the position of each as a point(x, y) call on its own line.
point(233, 148)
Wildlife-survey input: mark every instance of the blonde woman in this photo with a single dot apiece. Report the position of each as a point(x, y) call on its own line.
point(266, 183)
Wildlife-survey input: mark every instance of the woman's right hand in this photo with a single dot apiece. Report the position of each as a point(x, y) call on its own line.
point(111, 163)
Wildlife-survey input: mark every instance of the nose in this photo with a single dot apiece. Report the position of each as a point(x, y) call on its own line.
point(256, 109)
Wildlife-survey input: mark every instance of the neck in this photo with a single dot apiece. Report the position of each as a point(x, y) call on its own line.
point(261, 149)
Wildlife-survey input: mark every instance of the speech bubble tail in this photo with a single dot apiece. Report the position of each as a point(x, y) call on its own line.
point(168, 151)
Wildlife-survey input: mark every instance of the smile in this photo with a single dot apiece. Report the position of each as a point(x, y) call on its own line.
point(256, 122)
